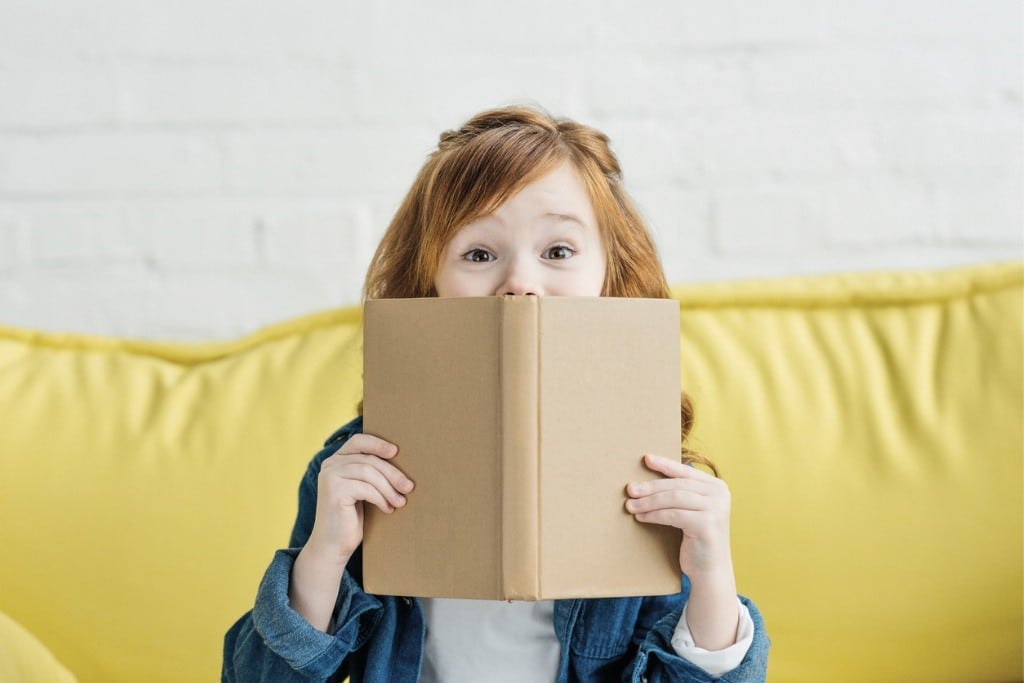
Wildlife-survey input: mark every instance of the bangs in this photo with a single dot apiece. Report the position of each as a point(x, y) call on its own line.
point(478, 167)
point(474, 180)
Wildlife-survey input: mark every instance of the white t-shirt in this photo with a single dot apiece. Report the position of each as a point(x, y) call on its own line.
point(496, 641)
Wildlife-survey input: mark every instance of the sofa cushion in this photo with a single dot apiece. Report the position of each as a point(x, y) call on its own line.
point(24, 659)
point(144, 487)
point(869, 427)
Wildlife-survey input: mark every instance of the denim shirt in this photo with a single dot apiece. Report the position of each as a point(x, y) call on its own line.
point(380, 639)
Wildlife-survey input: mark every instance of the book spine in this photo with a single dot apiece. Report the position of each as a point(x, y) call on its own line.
point(519, 443)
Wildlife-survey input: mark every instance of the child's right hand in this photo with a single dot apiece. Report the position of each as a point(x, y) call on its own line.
point(359, 471)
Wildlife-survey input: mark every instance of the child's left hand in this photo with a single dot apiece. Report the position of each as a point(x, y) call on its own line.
point(693, 501)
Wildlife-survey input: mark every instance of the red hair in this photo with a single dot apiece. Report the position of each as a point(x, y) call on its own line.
point(476, 168)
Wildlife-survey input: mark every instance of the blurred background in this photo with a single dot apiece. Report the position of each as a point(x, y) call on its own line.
point(195, 170)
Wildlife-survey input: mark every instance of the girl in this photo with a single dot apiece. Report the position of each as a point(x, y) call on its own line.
point(514, 202)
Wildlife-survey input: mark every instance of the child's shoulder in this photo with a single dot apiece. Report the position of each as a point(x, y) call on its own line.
point(345, 432)
point(331, 445)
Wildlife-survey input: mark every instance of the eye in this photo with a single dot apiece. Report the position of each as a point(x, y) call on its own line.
point(559, 252)
point(478, 256)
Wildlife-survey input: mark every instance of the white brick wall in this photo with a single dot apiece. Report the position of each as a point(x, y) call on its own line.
point(192, 170)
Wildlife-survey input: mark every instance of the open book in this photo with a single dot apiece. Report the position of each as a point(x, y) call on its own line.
point(521, 419)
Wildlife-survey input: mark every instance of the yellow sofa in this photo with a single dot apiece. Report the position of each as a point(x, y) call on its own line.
point(869, 425)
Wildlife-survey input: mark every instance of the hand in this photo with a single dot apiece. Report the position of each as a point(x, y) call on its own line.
point(699, 504)
point(358, 472)
point(693, 501)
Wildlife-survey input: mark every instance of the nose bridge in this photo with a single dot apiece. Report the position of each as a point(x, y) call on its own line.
point(520, 277)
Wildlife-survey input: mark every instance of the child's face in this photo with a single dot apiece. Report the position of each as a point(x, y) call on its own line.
point(543, 241)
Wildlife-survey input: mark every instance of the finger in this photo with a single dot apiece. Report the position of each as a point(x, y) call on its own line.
point(395, 476)
point(364, 491)
point(635, 489)
point(681, 519)
point(370, 472)
point(369, 444)
point(368, 468)
point(668, 500)
point(675, 468)
point(374, 448)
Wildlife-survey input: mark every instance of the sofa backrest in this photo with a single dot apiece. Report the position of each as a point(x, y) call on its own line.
point(869, 427)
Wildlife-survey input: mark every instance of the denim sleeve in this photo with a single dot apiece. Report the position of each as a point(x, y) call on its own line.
point(273, 642)
point(658, 661)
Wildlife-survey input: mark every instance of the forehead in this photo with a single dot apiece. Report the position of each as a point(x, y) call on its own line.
point(562, 182)
point(558, 192)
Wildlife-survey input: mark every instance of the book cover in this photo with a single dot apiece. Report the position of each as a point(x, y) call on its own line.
point(521, 419)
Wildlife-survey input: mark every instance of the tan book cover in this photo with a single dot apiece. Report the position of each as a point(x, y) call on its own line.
point(521, 419)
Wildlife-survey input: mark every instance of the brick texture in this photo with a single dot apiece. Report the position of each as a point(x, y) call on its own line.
point(196, 170)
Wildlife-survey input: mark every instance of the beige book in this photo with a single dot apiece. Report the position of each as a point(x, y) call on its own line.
point(521, 419)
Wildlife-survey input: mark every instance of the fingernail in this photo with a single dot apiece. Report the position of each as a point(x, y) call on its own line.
point(406, 485)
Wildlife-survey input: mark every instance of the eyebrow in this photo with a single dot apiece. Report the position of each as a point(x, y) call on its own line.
point(566, 217)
